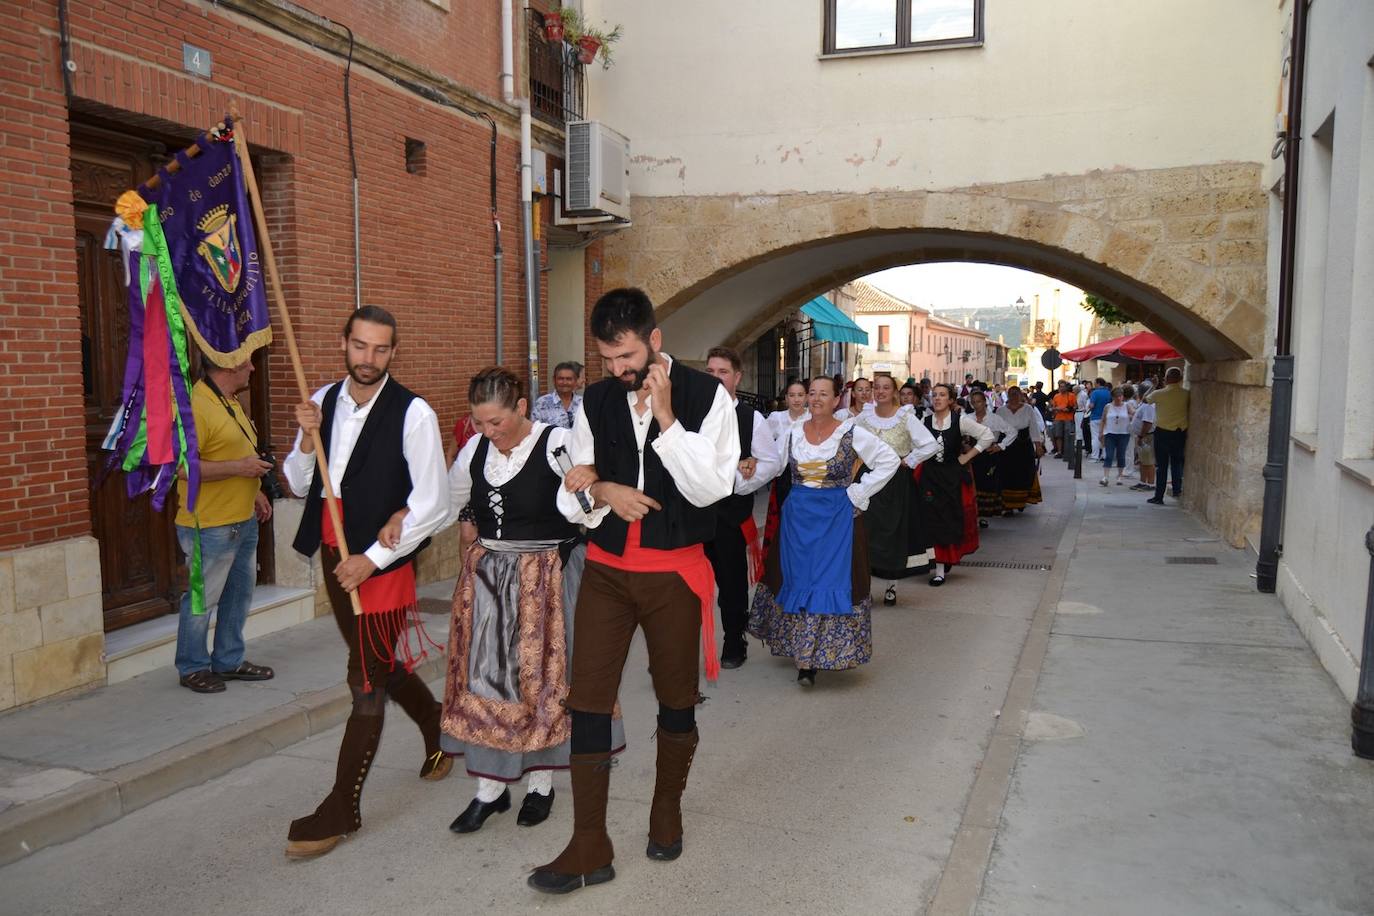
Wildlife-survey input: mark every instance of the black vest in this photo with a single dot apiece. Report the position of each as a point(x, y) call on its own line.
point(376, 482)
point(524, 508)
point(734, 509)
point(953, 440)
point(679, 524)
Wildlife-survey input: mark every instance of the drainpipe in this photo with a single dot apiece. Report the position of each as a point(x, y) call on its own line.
point(526, 194)
point(1280, 414)
point(1362, 713)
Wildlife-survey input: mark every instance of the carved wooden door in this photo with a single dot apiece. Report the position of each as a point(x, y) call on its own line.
point(138, 553)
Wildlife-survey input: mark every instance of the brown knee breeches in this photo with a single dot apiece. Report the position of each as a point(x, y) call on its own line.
point(610, 604)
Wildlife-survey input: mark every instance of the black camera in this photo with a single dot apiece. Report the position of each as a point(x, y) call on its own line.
point(270, 484)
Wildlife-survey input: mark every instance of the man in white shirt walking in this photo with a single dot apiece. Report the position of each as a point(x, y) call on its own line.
point(736, 533)
point(385, 453)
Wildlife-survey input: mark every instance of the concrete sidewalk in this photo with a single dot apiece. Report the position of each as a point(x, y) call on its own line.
point(1184, 751)
point(70, 765)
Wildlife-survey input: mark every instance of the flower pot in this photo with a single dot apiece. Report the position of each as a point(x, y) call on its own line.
point(587, 46)
point(553, 27)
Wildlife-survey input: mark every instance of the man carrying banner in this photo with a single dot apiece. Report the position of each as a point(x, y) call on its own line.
point(385, 453)
point(228, 509)
point(656, 444)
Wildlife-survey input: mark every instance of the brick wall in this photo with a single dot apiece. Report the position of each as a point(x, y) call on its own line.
point(427, 238)
point(42, 441)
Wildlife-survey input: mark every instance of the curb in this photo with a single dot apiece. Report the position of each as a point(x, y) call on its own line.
point(109, 796)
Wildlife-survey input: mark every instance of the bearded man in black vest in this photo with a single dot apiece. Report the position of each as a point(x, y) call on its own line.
point(385, 454)
point(736, 546)
point(656, 445)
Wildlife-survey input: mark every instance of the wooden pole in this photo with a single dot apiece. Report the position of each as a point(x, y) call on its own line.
point(279, 300)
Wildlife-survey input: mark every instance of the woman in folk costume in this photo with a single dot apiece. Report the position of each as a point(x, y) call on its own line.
point(511, 638)
point(987, 478)
point(813, 604)
point(949, 511)
point(781, 420)
point(1021, 453)
point(896, 548)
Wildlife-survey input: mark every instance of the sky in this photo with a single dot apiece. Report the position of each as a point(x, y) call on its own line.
point(958, 285)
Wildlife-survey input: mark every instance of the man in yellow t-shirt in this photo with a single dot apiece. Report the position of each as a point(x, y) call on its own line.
point(228, 509)
point(1171, 433)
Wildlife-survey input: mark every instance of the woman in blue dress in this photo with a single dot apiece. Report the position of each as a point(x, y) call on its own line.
point(813, 604)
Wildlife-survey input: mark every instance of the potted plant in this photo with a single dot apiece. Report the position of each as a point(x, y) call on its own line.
point(563, 24)
point(592, 40)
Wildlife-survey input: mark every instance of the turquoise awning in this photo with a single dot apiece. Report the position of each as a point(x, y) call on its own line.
point(829, 323)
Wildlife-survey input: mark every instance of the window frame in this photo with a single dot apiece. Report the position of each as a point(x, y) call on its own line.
point(903, 43)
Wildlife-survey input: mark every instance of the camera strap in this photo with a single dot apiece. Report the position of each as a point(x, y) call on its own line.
point(224, 402)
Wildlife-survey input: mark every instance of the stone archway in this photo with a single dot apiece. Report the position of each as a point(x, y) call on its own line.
point(1182, 250)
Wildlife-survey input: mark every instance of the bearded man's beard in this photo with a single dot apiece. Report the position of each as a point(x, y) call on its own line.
point(634, 380)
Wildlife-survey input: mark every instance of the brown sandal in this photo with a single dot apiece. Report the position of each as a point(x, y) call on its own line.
point(248, 672)
point(203, 681)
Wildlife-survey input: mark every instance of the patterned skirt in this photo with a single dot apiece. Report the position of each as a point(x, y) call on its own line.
point(509, 656)
point(987, 482)
point(830, 642)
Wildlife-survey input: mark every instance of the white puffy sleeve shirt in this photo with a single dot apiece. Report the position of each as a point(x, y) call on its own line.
point(882, 462)
point(702, 464)
point(500, 469)
point(763, 446)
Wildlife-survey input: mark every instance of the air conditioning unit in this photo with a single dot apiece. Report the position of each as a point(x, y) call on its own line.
point(598, 171)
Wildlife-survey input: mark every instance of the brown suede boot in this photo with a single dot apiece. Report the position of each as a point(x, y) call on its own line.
point(411, 694)
point(675, 750)
point(339, 814)
point(587, 858)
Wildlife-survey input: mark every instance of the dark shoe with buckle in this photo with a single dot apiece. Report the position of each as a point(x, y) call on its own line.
point(806, 677)
point(937, 581)
point(552, 882)
point(535, 809)
point(661, 853)
point(476, 813)
point(248, 671)
point(205, 681)
point(890, 596)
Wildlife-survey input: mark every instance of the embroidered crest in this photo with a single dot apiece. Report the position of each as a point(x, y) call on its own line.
point(219, 246)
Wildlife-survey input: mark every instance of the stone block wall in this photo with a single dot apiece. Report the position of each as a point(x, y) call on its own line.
point(1227, 441)
point(51, 620)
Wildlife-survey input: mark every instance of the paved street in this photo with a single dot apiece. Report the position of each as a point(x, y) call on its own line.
point(1184, 753)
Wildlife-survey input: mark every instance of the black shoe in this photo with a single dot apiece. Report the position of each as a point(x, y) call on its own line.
point(204, 681)
point(733, 655)
point(806, 677)
point(982, 523)
point(1157, 500)
point(535, 809)
point(890, 596)
point(937, 580)
point(476, 814)
point(552, 882)
point(664, 853)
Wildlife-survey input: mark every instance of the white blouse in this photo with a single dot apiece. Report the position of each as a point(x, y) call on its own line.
point(1116, 419)
point(1003, 433)
point(982, 436)
point(881, 460)
point(500, 469)
point(781, 421)
point(923, 444)
point(1022, 419)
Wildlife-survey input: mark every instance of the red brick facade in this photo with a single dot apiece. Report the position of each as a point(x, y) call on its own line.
point(426, 238)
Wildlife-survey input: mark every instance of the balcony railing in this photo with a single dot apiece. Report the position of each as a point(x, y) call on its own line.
point(557, 86)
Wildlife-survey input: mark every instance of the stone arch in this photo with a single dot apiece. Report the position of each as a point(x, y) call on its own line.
point(1182, 250)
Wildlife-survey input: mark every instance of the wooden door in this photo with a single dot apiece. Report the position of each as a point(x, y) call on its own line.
point(138, 554)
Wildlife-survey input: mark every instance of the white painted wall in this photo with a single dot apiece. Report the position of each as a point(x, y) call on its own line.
point(1330, 505)
point(893, 360)
point(721, 97)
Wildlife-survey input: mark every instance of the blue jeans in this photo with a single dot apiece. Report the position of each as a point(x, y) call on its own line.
point(229, 559)
point(1116, 445)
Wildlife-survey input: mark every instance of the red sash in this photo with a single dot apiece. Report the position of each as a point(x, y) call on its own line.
point(688, 562)
point(390, 607)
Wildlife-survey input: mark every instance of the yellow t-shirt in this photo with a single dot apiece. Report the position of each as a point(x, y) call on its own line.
point(1171, 407)
point(228, 501)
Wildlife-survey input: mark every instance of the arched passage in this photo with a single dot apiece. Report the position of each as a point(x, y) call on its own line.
point(1182, 250)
